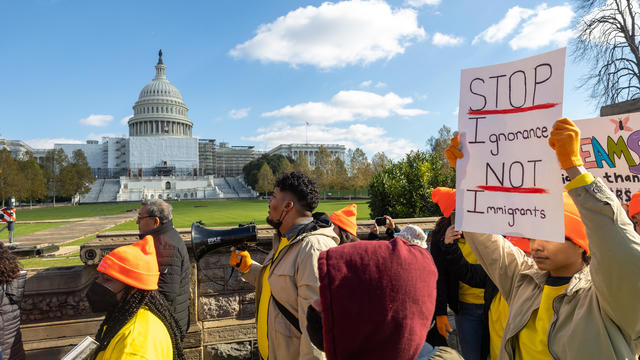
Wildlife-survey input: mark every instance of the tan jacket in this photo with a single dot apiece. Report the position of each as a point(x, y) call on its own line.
point(293, 279)
point(598, 314)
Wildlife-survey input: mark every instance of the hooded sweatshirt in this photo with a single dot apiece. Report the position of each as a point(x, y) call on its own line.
point(377, 299)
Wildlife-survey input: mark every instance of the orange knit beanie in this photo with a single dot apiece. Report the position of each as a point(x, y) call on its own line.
point(135, 265)
point(574, 229)
point(634, 204)
point(345, 218)
point(445, 198)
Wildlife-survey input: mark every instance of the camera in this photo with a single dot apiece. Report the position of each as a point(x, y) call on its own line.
point(381, 221)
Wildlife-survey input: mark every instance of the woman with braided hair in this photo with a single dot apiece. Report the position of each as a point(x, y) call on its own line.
point(138, 323)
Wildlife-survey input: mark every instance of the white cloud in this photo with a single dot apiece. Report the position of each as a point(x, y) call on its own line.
point(334, 35)
point(440, 39)
point(497, 32)
point(420, 3)
point(371, 139)
point(125, 120)
point(455, 112)
point(96, 120)
point(48, 143)
point(348, 105)
point(543, 26)
point(239, 113)
point(369, 83)
point(549, 25)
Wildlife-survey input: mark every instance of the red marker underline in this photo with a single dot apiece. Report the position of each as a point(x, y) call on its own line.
point(514, 110)
point(529, 190)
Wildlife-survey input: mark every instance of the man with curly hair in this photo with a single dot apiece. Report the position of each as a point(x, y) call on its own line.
point(287, 282)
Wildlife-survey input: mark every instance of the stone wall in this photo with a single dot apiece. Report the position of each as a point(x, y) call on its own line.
point(56, 315)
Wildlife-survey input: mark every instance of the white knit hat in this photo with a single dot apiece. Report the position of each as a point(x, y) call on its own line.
point(414, 235)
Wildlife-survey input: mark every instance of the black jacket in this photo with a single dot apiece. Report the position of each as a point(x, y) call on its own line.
point(474, 276)
point(173, 263)
point(10, 335)
point(447, 284)
point(390, 234)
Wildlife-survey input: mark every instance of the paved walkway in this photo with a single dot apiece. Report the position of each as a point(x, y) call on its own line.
point(68, 233)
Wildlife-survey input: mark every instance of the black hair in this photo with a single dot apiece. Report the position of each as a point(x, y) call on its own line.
point(437, 234)
point(9, 265)
point(126, 310)
point(586, 258)
point(303, 188)
point(345, 236)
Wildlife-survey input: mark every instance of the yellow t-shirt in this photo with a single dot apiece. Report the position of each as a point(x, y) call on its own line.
point(144, 337)
point(263, 306)
point(466, 293)
point(498, 314)
point(532, 339)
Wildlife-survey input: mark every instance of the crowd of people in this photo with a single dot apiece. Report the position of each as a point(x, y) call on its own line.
point(323, 294)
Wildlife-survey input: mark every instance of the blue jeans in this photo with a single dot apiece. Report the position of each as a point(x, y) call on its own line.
point(469, 327)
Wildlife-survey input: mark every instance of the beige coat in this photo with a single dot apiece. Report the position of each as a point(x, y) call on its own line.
point(293, 279)
point(598, 314)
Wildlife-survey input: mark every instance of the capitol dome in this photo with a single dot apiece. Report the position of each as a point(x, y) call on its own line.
point(160, 110)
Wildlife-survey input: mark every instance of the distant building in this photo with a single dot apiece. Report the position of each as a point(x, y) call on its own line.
point(159, 142)
point(309, 150)
point(19, 149)
point(222, 160)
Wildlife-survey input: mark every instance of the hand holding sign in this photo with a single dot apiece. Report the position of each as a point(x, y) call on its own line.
point(507, 180)
point(565, 140)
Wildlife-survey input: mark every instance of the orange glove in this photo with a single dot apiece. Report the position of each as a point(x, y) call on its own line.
point(565, 140)
point(442, 323)
point(240, 259)
point(453, 153)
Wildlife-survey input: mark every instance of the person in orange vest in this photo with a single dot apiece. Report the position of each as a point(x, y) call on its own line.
point(138, 323)
point(344, 223)
point(576, 299)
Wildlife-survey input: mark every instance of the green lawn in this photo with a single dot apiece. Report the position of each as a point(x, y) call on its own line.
point(70, 212)
point(24, 229)
point(45, 262)
point(232, 213)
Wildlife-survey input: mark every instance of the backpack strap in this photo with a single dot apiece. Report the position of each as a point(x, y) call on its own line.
point(293, 320)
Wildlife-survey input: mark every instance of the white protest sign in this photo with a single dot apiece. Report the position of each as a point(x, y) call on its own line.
point(610, 150)
point(507, 182)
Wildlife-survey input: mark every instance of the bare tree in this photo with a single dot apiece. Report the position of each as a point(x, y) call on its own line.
point(609, 39)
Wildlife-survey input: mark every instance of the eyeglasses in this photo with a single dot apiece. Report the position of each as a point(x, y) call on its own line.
point(144, 217)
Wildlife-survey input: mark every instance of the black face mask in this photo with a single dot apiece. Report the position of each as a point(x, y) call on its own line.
point(276, 224)
point(314, 327)
point(101, 299)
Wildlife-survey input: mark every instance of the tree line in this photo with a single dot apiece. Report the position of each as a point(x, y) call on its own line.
point(56, 176)
point(330, 172)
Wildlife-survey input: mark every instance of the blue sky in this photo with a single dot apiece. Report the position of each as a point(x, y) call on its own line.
point(383, 76)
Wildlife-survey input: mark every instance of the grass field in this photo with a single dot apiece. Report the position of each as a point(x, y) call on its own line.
point(232, 213)
point(71, 212)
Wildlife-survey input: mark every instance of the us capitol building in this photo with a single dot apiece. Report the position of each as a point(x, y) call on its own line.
point(161, 159)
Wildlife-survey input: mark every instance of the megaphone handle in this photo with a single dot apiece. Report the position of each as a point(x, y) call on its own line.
point(238, 264)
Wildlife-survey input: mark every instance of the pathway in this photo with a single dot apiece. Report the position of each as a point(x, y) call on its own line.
point(68, 233)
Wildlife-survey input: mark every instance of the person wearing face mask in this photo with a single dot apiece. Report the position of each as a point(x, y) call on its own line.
point(376, 302)
point(288, 281)
point(138, 323)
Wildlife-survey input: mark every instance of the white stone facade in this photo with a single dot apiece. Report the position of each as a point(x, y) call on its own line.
point(309, 150)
